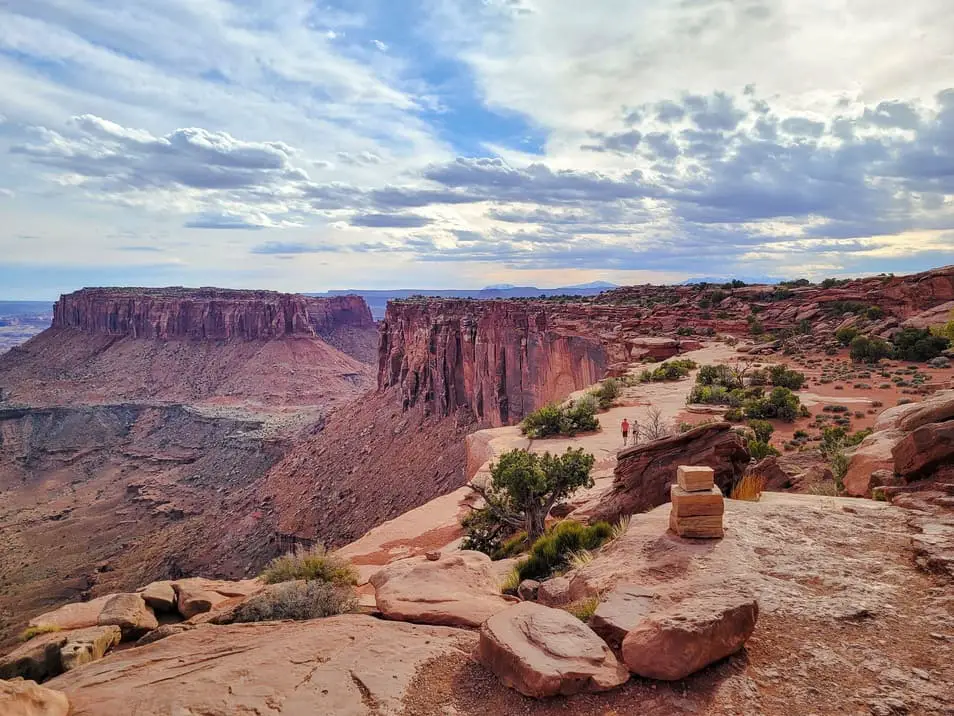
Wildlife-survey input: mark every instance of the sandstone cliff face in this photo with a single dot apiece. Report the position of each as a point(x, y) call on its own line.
point(207, 313)
point(499, 359)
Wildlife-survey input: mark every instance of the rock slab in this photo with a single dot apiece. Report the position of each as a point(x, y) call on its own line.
point(27, 698)
point(672, 644)
point(621, 611)
point(130, 613)
point(459, 589)
point(88, 645)
point(540, 651)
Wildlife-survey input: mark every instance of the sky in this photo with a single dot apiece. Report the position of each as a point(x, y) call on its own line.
point(308, 146)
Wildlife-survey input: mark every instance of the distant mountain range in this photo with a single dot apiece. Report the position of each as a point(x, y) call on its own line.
point(378, 300)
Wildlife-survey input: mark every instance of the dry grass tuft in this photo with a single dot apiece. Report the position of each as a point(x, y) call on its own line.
point(749, 488)
point(583, 609)
point(35, 631)
point(621, 527)
point(314, 564)
point(299, 601)
point(580, 558)
point(511, 582)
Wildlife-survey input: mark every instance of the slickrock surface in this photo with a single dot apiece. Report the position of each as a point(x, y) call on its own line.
point(26, 698)
point(540, 652)
point(460, 589)
point(348, 665)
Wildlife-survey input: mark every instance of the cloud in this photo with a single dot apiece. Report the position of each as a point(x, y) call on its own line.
point(289, 248)
point(390, 221)
point(223, 221)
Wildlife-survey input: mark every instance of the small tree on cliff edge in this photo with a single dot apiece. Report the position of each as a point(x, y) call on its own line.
point(523, 489)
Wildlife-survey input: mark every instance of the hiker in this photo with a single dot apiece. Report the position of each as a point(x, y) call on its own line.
point(635, 431)
point(624, 426)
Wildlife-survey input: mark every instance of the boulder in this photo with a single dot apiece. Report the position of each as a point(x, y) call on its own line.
point(347, 665)
point(160, 596)
point(644, 472)
point(873, 455)
point(792, 471)
point(130, 613)
point(77, 615)
point(540, 651)
point(554, 592)
point(459, 589)
point(527, 590)
point(27, 698)
point(677, 642)
point(87, 645)
point(37, 659)
point(194, 597)
point(621, 611)
point(924, 448)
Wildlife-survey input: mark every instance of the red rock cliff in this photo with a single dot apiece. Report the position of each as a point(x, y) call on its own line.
point(207, 313)
point(500, 359)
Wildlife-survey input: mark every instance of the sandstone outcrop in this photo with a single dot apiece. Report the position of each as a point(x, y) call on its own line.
point(498, 359)
point(26, 698)
point(908, 440)
point(795, 472)
point(161, 596)
point(644, 473)
point(349, 665)
point(72, 616)
point(198, 595)
point(540, 651)
point(459, 589)
point(689, 636)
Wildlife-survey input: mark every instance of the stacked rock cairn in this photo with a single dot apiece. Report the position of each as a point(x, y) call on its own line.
point(697, 504)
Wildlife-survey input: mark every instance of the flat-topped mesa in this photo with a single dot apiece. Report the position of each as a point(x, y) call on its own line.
point(500, 359)
point(207, 313)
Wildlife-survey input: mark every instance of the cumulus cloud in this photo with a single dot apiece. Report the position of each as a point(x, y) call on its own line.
point(390, 221)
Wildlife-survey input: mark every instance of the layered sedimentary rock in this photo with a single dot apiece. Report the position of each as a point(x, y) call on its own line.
point(499, 359)
point(207, 313)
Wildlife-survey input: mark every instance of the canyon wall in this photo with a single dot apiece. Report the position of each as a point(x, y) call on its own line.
point(499, 359)
point(207, 313)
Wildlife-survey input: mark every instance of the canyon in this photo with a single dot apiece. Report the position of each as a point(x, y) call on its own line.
point(155, 434)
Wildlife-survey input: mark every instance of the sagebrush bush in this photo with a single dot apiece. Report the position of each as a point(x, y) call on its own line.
point(607, 392)
point(552, 551)
point(314, 564)
point(297, 600)
point(782, 376)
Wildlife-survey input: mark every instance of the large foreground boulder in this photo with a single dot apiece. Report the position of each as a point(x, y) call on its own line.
point(459, 589)
point(923, 449)
point(677, 642)
point(26, 698)
point(348, 665)
point(645, 472)
point(541, 651)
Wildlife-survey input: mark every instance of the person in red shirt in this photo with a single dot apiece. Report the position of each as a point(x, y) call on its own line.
point(624, 427)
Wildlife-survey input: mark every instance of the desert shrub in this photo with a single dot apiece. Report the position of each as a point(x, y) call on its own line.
point(523, 489)
point(511, 547)
point(758, 377)
point(918, 344)
point(846, 335)
point(759, 449)
point(781, 403)
point(762, 429)
point(298, 601)
point(734, 415)
point(720, 375)
point(511, 582)
point(783, 377)
point(945, 330)
point(655, 427)
point(940, 362)
point(756, 328)
point(685, 331)
point(865, 349)
point(874, 313)
point(315, 564)
point(569, 419)
point(749, 488)
point(552, 551)
point(607, 392)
